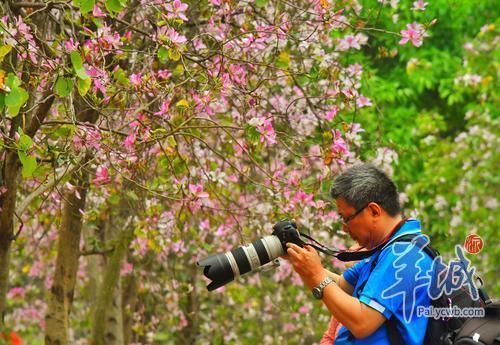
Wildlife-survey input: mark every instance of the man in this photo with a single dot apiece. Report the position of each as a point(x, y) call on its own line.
point(365, 296)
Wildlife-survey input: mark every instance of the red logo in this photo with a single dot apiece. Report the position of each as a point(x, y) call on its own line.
point(473, 244)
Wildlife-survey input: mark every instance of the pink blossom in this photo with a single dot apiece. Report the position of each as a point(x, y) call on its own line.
point(304, 309)
point(36, 269)
point(205, 224)
point(419, 5)
point(203, 104)
point(339, 147)
point(71, 45)
point(355, 70)
point(183, 321)
point(289, 327)
point(179, 247)
point(363, 101)
point(126, 268)
point(351, 41)
point(136, 79)
point(164, 74)
point(415, 33)
point(238, 74)
point(268, 136)
point(129, 140)
point(356, 128)
point(97, 12)
point(164, 108)
point(197, 191)
point(101, 176)
point(176, 9)
point(128, 36)
point(330, 115)
point(175, 37)
point(198, 44)
point(86, 136)
point(16, 292)
point(303, 198)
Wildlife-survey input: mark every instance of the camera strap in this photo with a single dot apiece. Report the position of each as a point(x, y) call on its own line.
point(346, 255)
point(320, 247)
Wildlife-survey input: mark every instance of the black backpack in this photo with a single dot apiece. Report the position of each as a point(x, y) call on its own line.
point(454, 330)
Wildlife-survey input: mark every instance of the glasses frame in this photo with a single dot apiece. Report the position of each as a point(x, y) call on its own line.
point(345, 221)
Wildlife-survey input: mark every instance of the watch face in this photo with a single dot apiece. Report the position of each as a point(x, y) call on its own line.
point(317, 293)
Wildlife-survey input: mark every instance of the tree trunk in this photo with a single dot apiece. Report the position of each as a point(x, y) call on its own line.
point(8, 190)
point(68, 251)
point(68, 248)
point(129, 302)
point(110, 296)
point(190, 332)
point(10, 174)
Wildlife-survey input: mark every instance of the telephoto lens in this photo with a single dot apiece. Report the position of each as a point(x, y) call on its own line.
point(225, 267)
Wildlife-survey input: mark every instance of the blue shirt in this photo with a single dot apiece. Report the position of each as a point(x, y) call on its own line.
point(395, 287)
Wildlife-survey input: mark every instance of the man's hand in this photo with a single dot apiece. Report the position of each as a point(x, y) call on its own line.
point(307, 263)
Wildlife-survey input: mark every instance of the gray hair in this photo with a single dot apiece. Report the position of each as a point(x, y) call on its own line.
point(364, 183)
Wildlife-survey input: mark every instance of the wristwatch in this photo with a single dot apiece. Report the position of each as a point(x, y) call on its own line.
point(318, 290)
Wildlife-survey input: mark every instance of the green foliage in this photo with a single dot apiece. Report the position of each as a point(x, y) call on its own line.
point(28, 161)
point(85, 6)
point(115, 6)
point(63, 87)
point(437, 109)
point(4, 50)
point(77, 62)
point(17, 96)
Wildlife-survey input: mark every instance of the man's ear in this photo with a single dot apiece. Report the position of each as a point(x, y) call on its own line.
point(375, 209)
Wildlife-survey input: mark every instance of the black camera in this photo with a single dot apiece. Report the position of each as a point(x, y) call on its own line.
point(223, 268)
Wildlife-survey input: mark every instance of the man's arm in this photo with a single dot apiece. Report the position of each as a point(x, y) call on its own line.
point(357, 317)
point(340, 281)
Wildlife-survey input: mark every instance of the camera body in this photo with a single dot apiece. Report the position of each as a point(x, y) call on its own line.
point(286, 231)
point(224, 267)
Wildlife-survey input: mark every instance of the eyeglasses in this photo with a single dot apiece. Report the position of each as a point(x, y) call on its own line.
point(344, 221)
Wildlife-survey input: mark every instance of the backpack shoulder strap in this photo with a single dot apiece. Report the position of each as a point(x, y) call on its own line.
point(394, 335)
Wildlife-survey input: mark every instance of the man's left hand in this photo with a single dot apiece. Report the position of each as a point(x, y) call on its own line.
point(307, 263)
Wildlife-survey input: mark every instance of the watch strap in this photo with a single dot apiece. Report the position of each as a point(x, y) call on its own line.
point(321, 286)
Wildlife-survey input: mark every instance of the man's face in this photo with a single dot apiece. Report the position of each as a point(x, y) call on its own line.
point(355, 222)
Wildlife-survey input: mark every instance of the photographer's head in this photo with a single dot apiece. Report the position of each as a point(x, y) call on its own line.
point(368, 202)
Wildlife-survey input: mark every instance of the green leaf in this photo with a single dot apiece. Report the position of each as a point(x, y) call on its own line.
point(4, 50)
point(260, 3)
point(121, 77)
point(162, 54)
point(174, 55)
point(85, 5)
point(15, 100)
point(77, 62)
point(63, 87)
point(83, 86)
point(25, 143)
point(29, 164)
point(182, 104)
point(252, 134)
point(113, 6)
point(114, 199)
point(12, 81)
point(76, 59)
point(132, 196)
point(283, 60)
